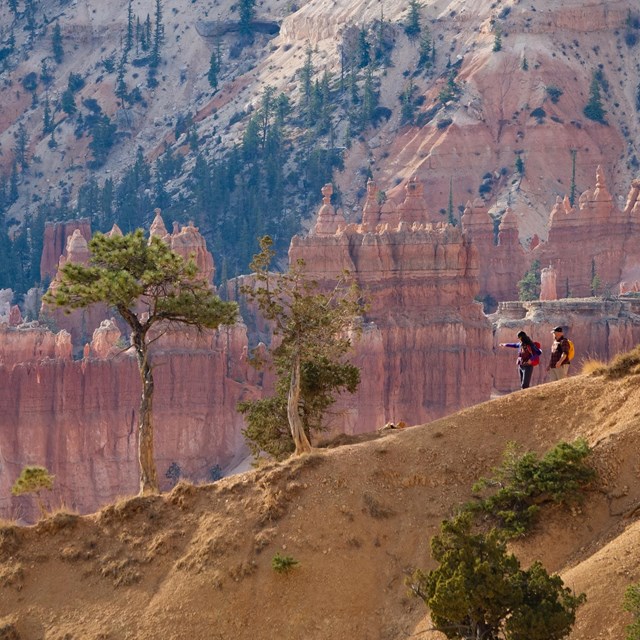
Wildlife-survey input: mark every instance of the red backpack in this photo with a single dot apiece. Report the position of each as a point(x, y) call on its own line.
point(534, 359)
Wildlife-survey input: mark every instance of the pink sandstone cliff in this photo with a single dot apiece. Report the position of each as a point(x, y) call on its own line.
point(426, 347)
point(424, 337)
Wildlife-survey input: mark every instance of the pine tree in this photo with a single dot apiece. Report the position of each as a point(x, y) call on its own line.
point(572, 188)
point(68, 102)
point(47, 126)
point(123, 270)
point(594, 109)
point(56, 43)
point(45, 74)
point(158, 36)
point(313, 328)
point(20, 149)
point(128, 42)
point(450, 217)
point(214, 67)
point(479, 590)
point(425, 51)
point(13, 182)
point(497, 39)
point(246, 11)
point(412, 24)
point(364, 49)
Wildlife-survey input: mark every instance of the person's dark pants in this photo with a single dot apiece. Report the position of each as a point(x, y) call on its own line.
point(526, 372)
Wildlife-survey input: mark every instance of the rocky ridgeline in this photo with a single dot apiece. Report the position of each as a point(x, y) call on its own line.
point(426, 348)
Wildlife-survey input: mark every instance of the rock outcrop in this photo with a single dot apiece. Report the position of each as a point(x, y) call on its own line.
point(592, 239)
point(424, 337)
point(54, 244)
point(79, 417)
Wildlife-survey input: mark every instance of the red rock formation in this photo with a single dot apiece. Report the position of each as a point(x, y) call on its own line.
point(328, 220)
point(79, 418)
point(501, 265)
point(592, 239)
point(424, 338)
point(54, 244)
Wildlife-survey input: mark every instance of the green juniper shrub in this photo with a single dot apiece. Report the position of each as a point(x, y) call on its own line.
point(631, 603)
point(511, 499)
point(283, 564)
point(480, 591)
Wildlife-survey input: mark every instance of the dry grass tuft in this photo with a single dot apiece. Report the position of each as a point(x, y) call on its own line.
point(375, 509)
point(58, 521)
point(593, 366)
point(624, 364)
point(9, 540)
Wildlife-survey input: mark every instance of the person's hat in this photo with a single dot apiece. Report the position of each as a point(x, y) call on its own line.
point(558, 330)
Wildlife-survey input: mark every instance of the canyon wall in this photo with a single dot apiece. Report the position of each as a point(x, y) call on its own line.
point(426, 348)
point(79, 417)
point(424, 338)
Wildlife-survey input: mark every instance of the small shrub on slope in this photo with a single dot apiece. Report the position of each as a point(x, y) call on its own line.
point(523, 483)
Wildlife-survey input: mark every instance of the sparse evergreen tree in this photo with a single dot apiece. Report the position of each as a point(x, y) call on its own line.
point(519, 164)
point(369, 99)
point(128, 41)
point(68, 102)
point(103, 137)
point(412, 24)
point(13, 5)
point(13, 182)
point(594, 110)
point(364, 49)
point(121, 85)
point(30, 15)
point(20, 148)
point(158, 36)
point(306, 82)
point(246, 11)
point(572, 188)
point(479, 590)
point(214, 67)
point(407, 108)
point(310, 360)
point(122, 271)
point(529, 286)
point(56, 43)
point(524, 65)
point(47, 126)
point(497, 39)
point(147, 33)
point(425, 50)
point(450, 217)
point(46, 77)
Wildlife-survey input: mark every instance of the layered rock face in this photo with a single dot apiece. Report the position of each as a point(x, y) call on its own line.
point(79, 418)
point(592, 238)
point(424, 338)
point(56, 235)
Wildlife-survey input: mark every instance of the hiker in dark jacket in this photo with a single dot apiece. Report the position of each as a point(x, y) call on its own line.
point(527, 354)
point(559, 362)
